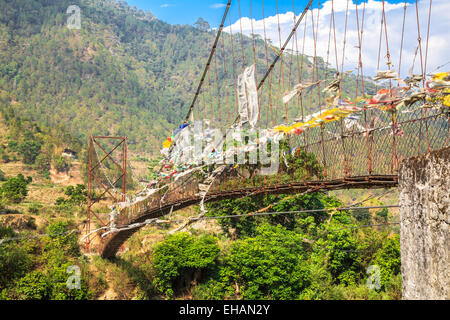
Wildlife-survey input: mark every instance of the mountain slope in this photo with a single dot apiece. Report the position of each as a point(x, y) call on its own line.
point(123, 73)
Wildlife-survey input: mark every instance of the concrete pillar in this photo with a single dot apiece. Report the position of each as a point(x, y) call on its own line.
point(424, 196)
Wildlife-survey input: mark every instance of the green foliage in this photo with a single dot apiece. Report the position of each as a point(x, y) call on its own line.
point(213, 289)
point(42, 163)
point(34, 208)
point(5, 158)
point(388, 259)
point(61, 237)
point(269, 265)
point(343, 258)
point(7, 232)
point(60, 164)
point(382, 215)
point(29, 150)
point(243, 227)
point(180, 259)
point(129, 69)
point(38, 269)
point(13, 145)
point(77, 196)
point(2, 176)
point(37, 143)
point(202, 24)
point(34, 286)
point(298, 163)
point(15, 189)
point(14, 262)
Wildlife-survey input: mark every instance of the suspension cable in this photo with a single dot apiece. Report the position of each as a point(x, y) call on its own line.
point(209, 61)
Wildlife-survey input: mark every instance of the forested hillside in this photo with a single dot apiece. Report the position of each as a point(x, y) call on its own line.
point(123, 73)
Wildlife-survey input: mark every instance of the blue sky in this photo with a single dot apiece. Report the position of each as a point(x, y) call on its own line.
point(187, 12)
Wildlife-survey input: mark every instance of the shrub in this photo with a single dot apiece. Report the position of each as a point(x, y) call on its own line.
point(34, 286)
point(60, 164)
point(270, 265)
point(388, 259)
point(29, 150)
point(5, 158)
point(180, 259)
point(34, 208)
point(14, 261)
point(59, 276)
point(61, 237)
point(12, 146)
point(212, 290)
point(15, 189)
point(42, 163)
point(77, 195)
point(7, 232)
point(343, 262)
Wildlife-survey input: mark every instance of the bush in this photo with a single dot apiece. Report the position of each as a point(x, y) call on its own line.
point(60, 164)
point(34, 286)
point(5, 158)
point(7, 232)
point(388, 259)
point(2, 176)
point(14, 262)
point(180, 260)
point(212, 290)
point(29, 150)
point(12, 146)
point(42, 163)
point(270, 265)
point(343, 262)
point(59, 276)
point(46, 174)
point(15, 189)
point(62, 238)
point(34, 208)
point(77, 195)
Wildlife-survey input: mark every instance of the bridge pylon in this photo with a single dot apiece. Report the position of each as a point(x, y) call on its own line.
point(97, 161)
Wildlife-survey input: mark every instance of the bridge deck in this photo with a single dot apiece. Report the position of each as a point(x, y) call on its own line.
point(112, 242)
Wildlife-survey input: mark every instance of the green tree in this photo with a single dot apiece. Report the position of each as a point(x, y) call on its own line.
point(271, 265)
point(202, 24)
point(388, 259)
point(42, 163)
point(15, 189)
point(343, 261)
point(77, 196)
point(181, 259)
point(29, 150)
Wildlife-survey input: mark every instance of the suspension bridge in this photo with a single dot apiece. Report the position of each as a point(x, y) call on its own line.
point(326, 125)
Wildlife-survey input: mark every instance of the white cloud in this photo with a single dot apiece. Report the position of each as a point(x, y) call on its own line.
point(218, 5)
point(166, 5)
point(438, 50)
